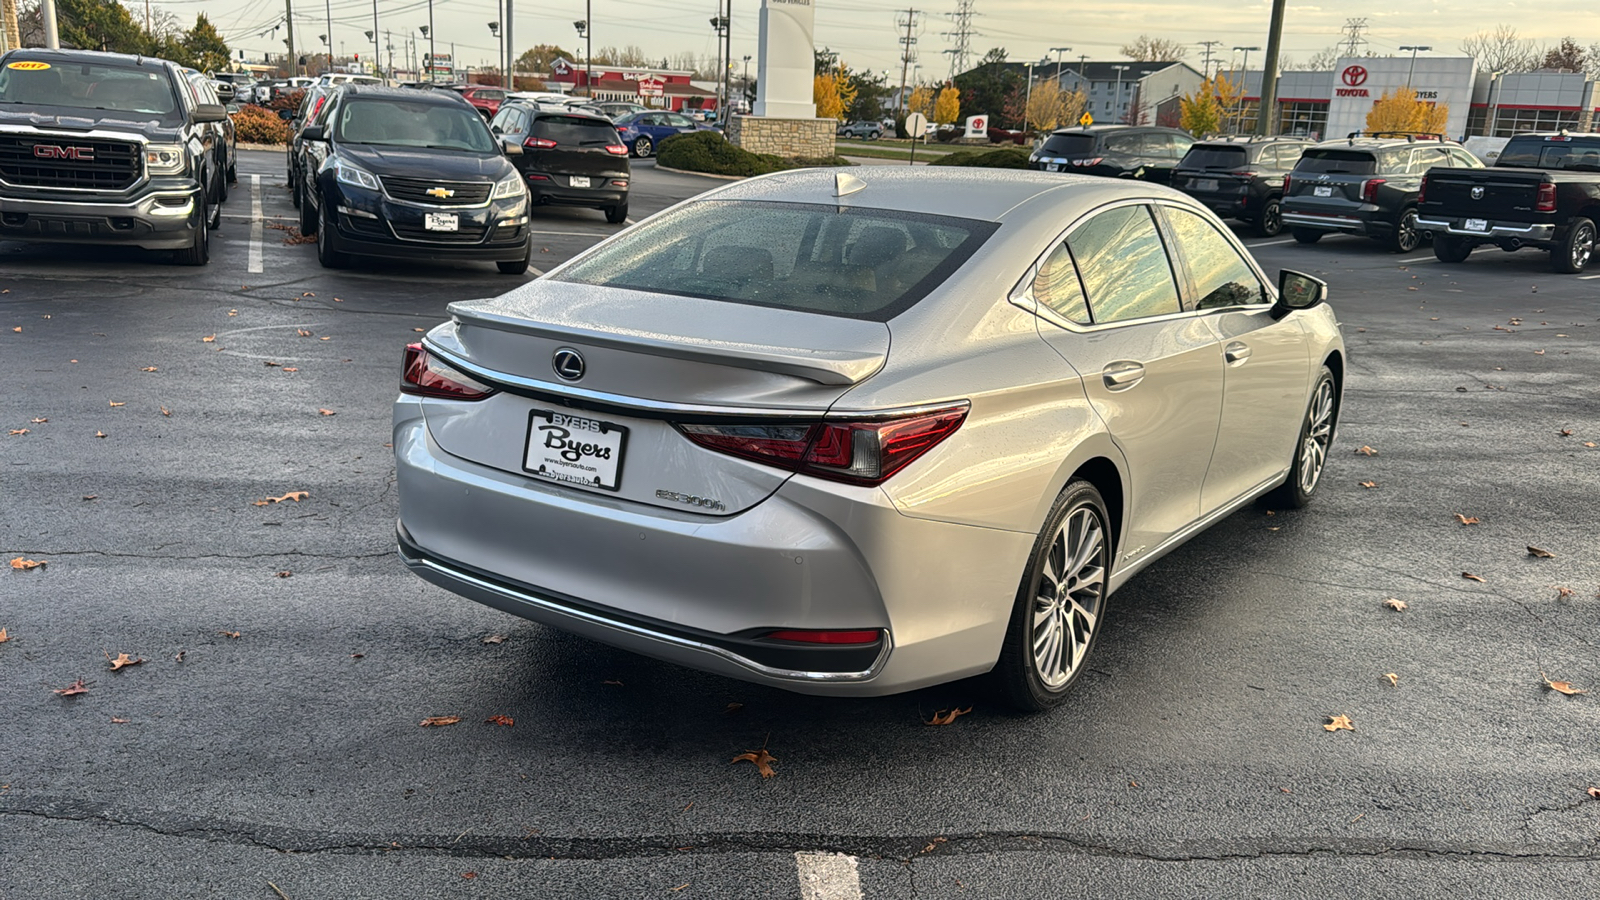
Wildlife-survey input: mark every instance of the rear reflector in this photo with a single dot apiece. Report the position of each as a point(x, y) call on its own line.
point(826, 637)
point(865, 451)
point(426, 376)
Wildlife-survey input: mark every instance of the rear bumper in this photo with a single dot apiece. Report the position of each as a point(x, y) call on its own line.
point(161, 219)
point(597, 198)
point(1498, 231)
point(1367, 222)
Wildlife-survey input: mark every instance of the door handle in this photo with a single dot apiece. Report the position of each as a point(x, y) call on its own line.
point(1122, 374)
point(1236, 352)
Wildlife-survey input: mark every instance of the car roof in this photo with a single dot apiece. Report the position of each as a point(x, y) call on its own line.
point(65, 56)
point(1387, 141)
point(540, 112)
point(1107, 129)
point(411, 95)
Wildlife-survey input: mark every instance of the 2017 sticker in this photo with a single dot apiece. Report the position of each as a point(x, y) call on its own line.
point(28, 65)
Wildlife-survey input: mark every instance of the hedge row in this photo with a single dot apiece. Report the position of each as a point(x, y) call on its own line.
point(254, 125)
point(1004, 158)
point(711, 153)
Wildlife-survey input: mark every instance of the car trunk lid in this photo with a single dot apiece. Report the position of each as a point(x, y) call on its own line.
point(564, 146)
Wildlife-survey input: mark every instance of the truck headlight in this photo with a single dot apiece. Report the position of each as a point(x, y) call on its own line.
point(509, 187)
point(164, 159)
point(353, 176)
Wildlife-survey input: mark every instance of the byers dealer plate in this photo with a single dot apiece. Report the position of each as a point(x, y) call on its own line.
point(574, 449)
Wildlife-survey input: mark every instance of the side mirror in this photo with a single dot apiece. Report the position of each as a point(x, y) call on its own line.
point(495, 129)
point(510, 146)
point(314, 133)
point(225, 91)
point(1297, 290)
point(210, 112)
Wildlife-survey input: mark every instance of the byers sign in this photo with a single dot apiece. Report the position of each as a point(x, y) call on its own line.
point(1359, 82)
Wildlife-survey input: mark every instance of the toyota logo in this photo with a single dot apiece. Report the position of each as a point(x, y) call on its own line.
point(568, 364)
point(1355, 76)
point(1477, 193)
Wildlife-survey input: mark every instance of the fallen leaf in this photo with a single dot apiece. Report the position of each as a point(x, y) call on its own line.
point(100, 434)
point(1394, 604)
point(762, 759)
point(507, 721)
point(326, 412)
point(149, 369)
point(209, 339)
point(1366, 450)
point(1561, 687)
point(296, 496)
point(1588, 443)
point(680, 887)
point(1394, 681)
point(115, 404)
point(1337, 723)
point(17, 329)
point(235, 312)
point(495, 639)
point(1538, 353)
point(179, 657)
point(1563, 593)
point(268, 362)
point(117, 721)
point(732, 708)
point(418, 329)
point(3, 636)
point(123, 660)
point(308, 294)
point(1471, 577)
point(1466, 520)
point(358, 656)
point(20, 563)
point(1369, 484)
point(302, 332)
point(165, 411)
point(469, 874)
point(73, 689)
point(19, 431)
point(336, 300)
point(437, 721)
point(41, 421)
point(616, 683)
point(1594, 792)
point(284, 574)
point(945, 717)
point(1540, 552)
point(324, 338)
point(1565, 432)
point(231, 634)
point(290, 369)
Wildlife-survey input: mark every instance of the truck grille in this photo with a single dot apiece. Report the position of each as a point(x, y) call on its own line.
point(65, 161)
point(415, 190)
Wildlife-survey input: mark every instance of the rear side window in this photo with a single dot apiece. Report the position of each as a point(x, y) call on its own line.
point(1201, 157)
point(1068, 145)
point(1219, 275)
point(1124, 143)
point(1124, 266)
point(1541, 153)
point(1056, 286)
point(575, 131)
point(1335, 161)
point(857, 263)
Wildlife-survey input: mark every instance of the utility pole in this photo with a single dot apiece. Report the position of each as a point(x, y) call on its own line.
point(377, 55)
point(908, 54)
point(1267, 116)
point(288, 20)
point(1205, 67)
point(961, 53)
point(431, 56)
point(511, 52)
point(327, 6)
point(727, 65)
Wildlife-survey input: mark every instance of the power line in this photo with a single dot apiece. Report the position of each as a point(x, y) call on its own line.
point(1353, 43)
point(1205, 67)
point(908, 50)
point(961, 53)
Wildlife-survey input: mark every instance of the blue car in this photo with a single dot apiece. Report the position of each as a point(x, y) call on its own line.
point(644, 131)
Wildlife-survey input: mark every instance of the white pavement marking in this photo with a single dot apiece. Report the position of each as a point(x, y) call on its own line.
point(828, 876)
point(1271, 243)
point(1587, 277)
point(577, 233)
point(254, 266)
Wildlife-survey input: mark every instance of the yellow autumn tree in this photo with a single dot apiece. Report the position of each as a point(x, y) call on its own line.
point(921, 100)
point(1044, 106)
point(1201, 111)
point(947, 108)
point(1399, 110)
point(833, 91)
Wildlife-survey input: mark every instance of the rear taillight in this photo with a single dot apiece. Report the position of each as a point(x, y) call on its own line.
point(534, 143)
point(826, 637)
point(1286, 185)
point(426, 376)
point(866, 451)
point(1422, 190)
point(1245, 173)
point(1546, 201)
point(617, 149)
point(1369, 189)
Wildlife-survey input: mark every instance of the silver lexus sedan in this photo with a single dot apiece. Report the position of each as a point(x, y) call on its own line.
point(857, 433)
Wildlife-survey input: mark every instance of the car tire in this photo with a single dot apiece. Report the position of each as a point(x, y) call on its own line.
point(330, 257)
point(308, 216)
point(874, 135)
point(198, 253)
point(517, 266)
point(1451, 249)
point(643, 147)
point(1405, 238)
point(218, 194)
point(1054, 625)
point(1311, 446)
point(1269, 222)
point(1306, 235)
point(1577, 251)
point(294, 193)
point(618, 214)
point(222, 188)
point(233, 173)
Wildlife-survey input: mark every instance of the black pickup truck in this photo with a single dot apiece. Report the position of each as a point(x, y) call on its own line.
point(104, 148)
point(1543, 191)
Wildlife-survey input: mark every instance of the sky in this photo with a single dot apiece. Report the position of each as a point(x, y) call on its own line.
point(864, 32)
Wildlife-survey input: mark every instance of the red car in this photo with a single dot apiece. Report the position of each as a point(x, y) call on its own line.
point(486, 99)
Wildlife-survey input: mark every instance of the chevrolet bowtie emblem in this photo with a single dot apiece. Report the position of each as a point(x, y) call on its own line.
point(440, 192)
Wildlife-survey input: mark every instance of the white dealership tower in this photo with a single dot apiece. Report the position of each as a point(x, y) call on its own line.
point(785, 117)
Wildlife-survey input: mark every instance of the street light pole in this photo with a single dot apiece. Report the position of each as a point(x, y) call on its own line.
point(1413, 70)
point(1027, 100)
point(588, 51)
point(1242, 86)
point(377, 57)
point(1116, 101)
point(1058, 51)
point(432, 56)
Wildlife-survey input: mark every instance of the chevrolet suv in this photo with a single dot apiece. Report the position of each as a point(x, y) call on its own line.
point(105, 148)
point(1367, 185)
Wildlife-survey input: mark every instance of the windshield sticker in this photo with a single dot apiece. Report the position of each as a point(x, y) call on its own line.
point(28, 65)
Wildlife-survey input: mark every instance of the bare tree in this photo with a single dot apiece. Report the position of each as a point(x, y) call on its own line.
point(1154, 49)
point(1502, 50)
point(1324, 60)
point(633, 56)
point(1568, 54)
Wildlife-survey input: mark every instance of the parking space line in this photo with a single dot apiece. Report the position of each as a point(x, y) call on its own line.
point(828, 876)
point(254, 266)
point(576, 233)
point(1271, 243)
point(1587, 277)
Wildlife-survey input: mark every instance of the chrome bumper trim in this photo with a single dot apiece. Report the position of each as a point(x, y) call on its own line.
point(1528, 233)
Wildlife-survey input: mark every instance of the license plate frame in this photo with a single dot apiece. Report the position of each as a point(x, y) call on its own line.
point(1322, 191)
point(1052, 167)
point(1205, 184)
point(578, 181)
point(1480, 226)
point(445, 222)
point(543, 459)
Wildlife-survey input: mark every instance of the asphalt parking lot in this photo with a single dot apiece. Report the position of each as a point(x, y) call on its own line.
point(268, 743)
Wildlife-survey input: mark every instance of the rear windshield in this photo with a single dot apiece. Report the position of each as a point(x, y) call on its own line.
point(1068, 145)
point(1549, 153)
point(575, 131)
point(1337, 162)
point(1200, 157)
point(401, 123)
point(857, 263)
point(142, 90)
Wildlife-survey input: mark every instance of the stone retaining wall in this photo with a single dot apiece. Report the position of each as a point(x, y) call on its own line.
point(783, 137)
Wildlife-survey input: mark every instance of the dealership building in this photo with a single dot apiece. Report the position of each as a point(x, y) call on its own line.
point(1333, 104)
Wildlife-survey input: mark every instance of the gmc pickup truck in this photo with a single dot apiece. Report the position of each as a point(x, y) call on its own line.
point(1543, 191)
point(104, 148)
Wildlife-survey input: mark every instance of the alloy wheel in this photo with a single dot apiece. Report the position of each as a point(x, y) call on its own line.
point(1582, 247)
point(1408, 239)
point(1319, 434)
point(1070, 597)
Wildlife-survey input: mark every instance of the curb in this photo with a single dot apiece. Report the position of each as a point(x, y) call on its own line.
point(243, 146)
point(702, 174)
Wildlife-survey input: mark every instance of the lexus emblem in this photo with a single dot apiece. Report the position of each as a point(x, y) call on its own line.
point(1477, 193)
point(439, 192)
point(568, 364)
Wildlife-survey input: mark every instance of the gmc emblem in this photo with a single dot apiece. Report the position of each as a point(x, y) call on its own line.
point(53, 151)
